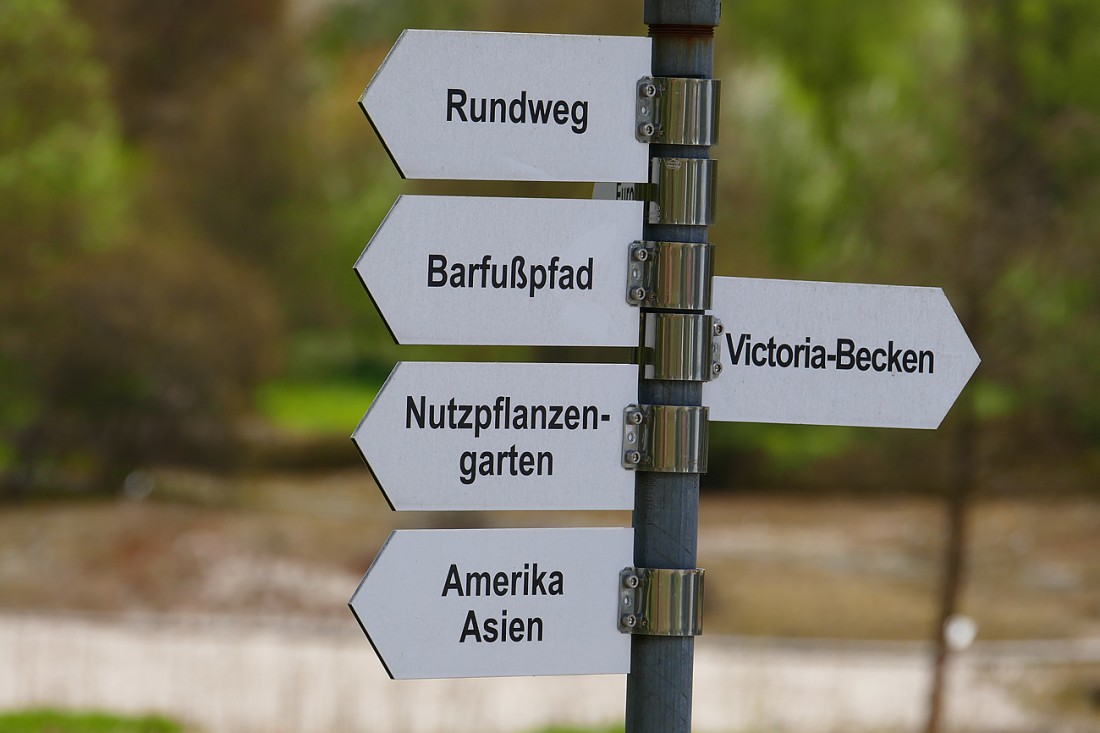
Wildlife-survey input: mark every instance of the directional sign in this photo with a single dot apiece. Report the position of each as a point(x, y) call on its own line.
point(462, 270)
point(457, 436)
point(496, 602)
point(837, 354)
point(511, 106)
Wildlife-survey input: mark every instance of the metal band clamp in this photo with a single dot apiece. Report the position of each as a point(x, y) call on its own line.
point(681, 346)
point(669, 438)
point(677, 111)
point(661, 602)
point(682, 191)
point(673, 275)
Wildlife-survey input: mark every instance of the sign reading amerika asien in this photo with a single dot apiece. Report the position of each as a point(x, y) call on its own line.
point(497, 602)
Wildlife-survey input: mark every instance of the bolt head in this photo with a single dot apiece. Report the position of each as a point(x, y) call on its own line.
point(646, 129)
point(630, 621)
point(649, 90)
point(641, 254)
point(638, 293)
point(719, 329)
point(633, 457)
point(631, 581)
point(716, 369)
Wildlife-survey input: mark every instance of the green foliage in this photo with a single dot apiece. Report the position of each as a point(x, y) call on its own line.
point(148, 355)
point(56, 721)
point(64, 184)
point(61, 164)
point(928, 143)
point(350, 25)
point(924, 142)
point(321, 407)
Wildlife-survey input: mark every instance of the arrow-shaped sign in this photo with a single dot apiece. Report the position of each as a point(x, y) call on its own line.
point(462, 270)
point(837, 354)
point(511, 106)
point(496, 602)
point(468, 436)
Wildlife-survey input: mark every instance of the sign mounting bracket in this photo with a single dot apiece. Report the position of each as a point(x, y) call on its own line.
point(677, 111)
point(669, 438)
point(683, 347)
point(670, 275)
point(661, 601)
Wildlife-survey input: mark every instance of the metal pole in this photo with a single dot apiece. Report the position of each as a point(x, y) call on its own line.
point(666, 505)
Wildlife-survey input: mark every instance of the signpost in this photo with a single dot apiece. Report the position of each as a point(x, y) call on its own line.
point(465, 436)
point(836, 354)
point(463, 270)
point(511, 106)
point(458, 436)
point(500, 602)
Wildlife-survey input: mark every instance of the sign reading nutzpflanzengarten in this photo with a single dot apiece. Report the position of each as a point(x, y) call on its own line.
point(458, 436)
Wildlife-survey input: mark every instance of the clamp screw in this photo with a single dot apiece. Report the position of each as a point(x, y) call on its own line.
point(716, 368)
point(719, 329)
point(638, 294)
point(649, 90)
point(630, 621)
point(633, 457)
point(635, 417)
point(631, 581)
point(646, 129)
point(641, 254)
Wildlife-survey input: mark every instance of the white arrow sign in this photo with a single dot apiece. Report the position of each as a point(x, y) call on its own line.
point(461, 270)
point(458, 436)
point(496, 602)
point(511, 106)
point(837, 354)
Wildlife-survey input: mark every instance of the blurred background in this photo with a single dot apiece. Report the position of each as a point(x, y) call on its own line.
point(184, 350)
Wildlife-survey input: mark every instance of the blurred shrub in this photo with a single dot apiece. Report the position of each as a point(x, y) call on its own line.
point(147, 354)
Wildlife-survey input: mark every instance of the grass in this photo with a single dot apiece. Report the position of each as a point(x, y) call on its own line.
point(56, 721)
point(316, 408)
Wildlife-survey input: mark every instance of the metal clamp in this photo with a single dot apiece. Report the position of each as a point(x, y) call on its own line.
point(673, 275)
point(682, 191)
point(669, 438)
point(661, 602)
point(677, 111)
point(683, 347)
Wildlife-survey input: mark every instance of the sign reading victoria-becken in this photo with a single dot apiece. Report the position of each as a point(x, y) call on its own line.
point(836, 354)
